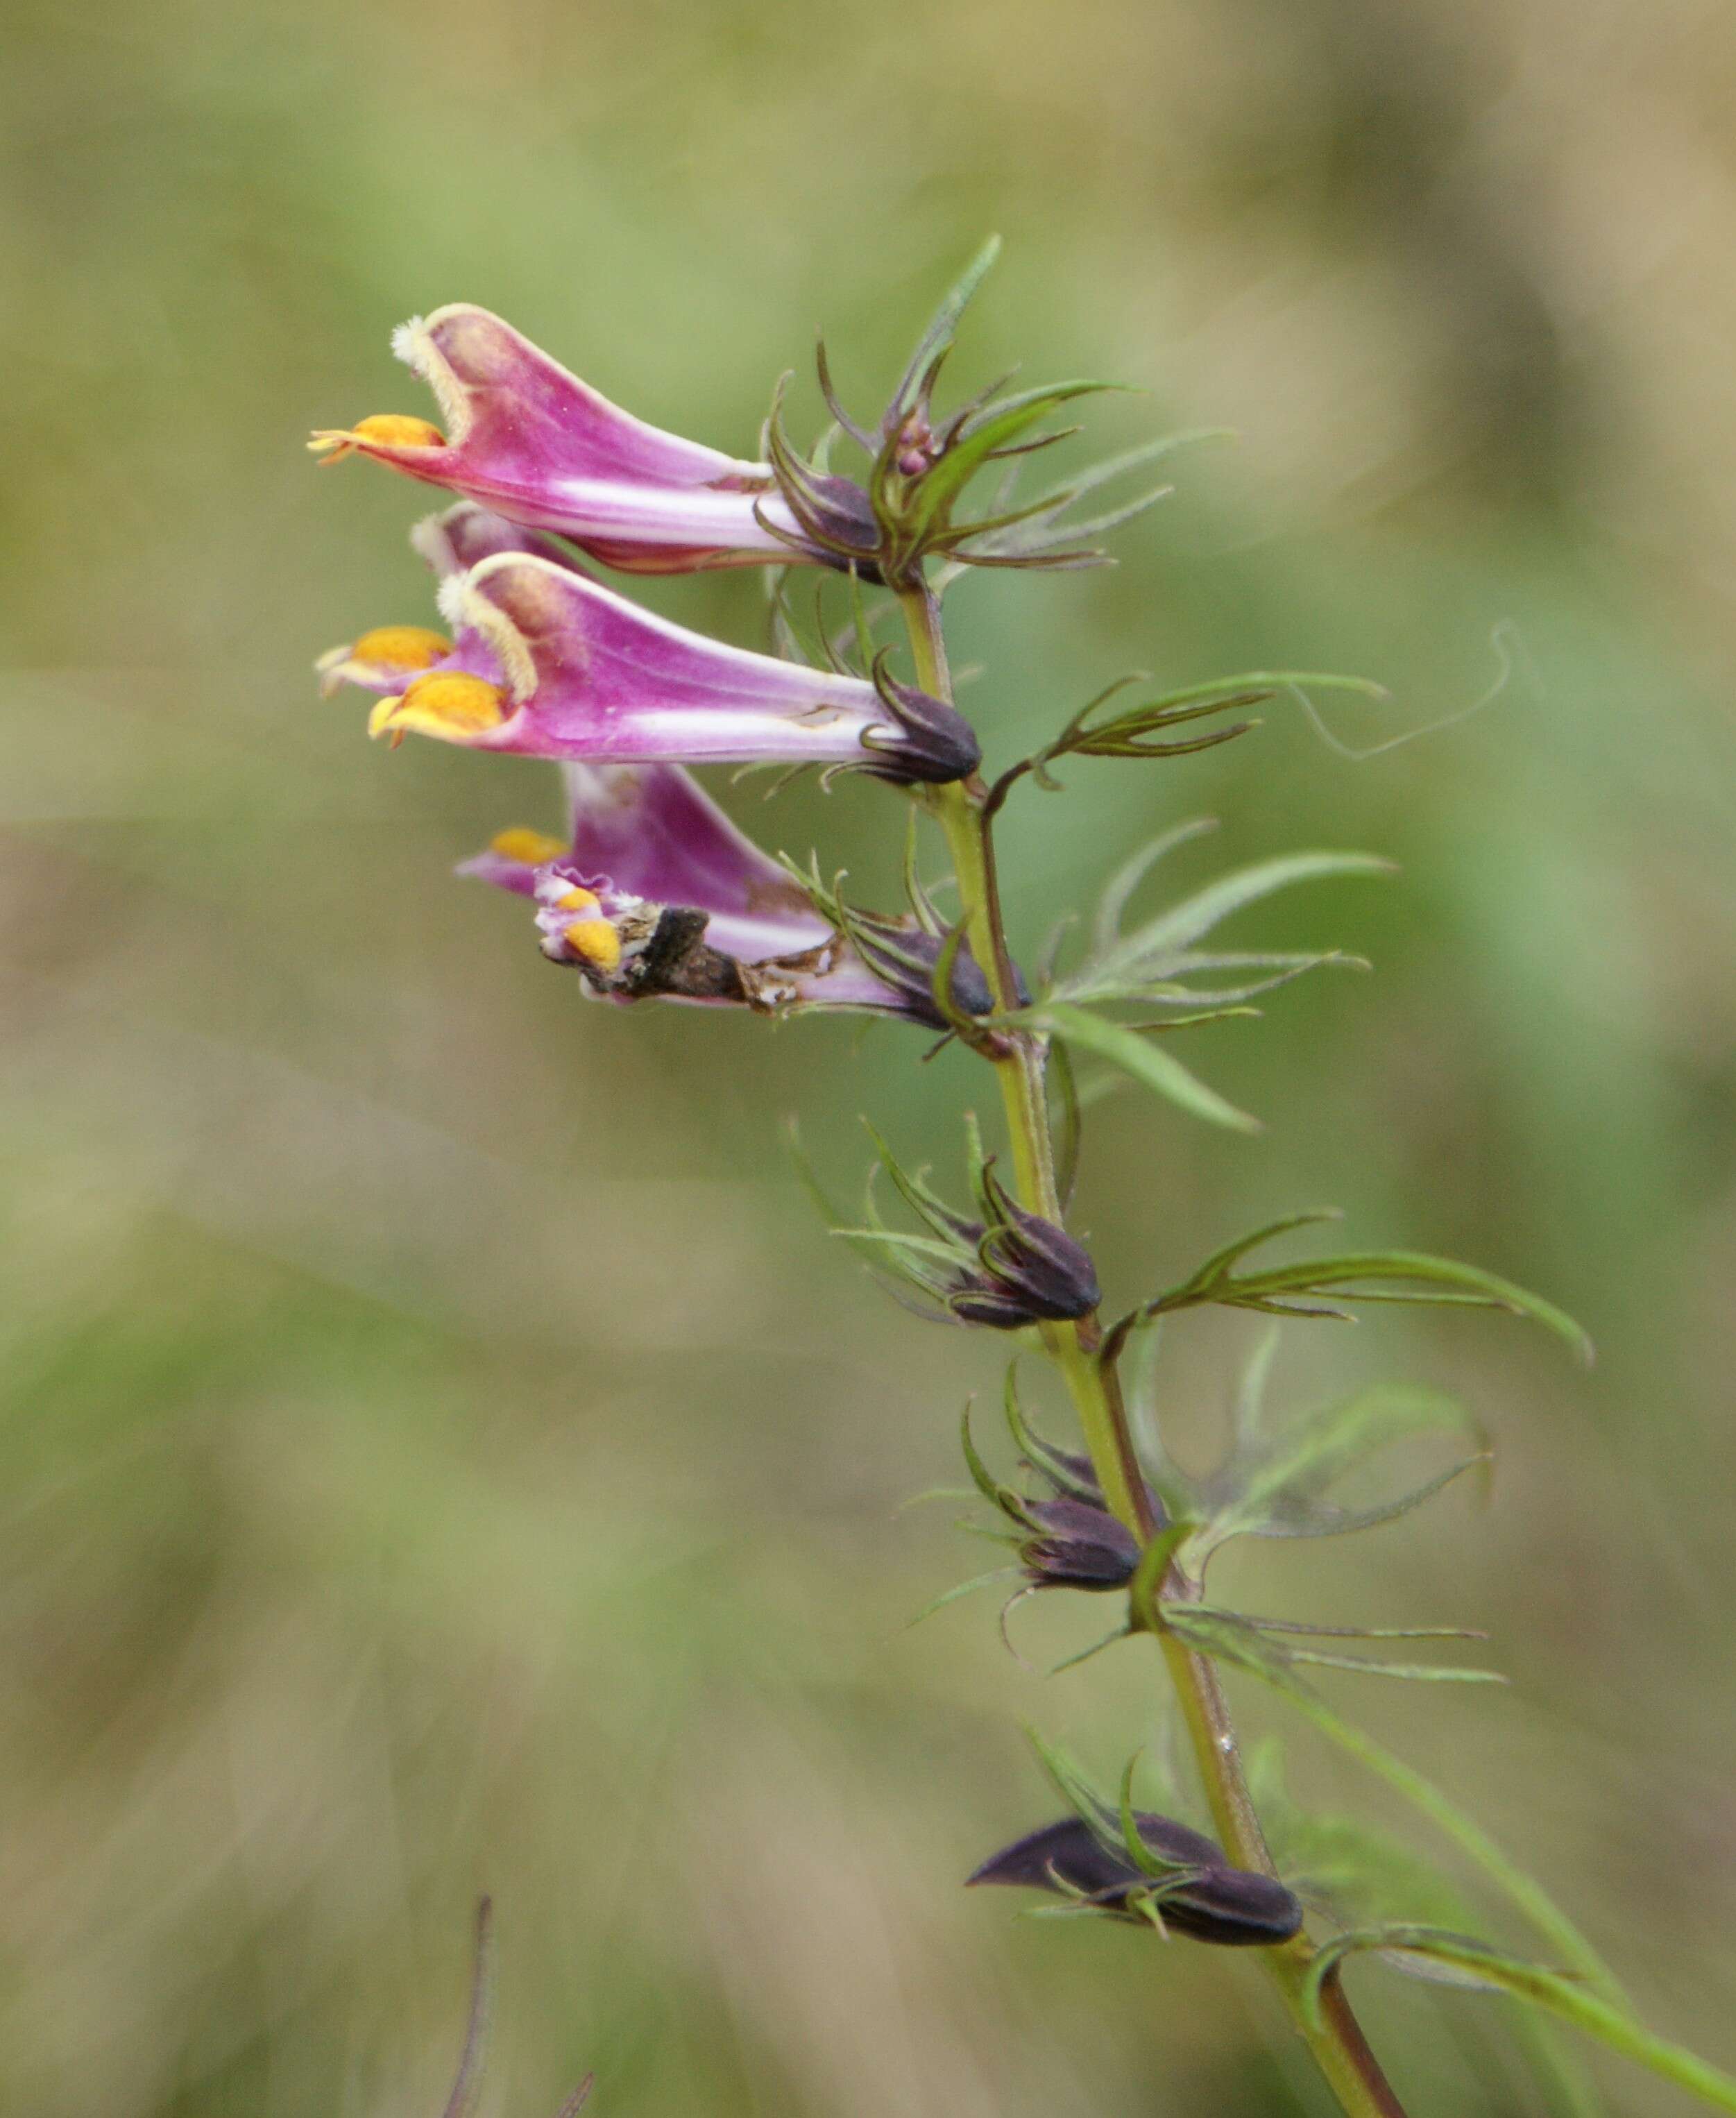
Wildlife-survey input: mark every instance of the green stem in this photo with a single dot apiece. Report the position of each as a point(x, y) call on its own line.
point(1333, 2033)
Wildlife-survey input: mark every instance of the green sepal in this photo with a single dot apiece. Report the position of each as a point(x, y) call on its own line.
point(1143, 1858)
point(1084, 1654)
point(1002, 1498)
point(1071, 1783)
point(928, 502)
point(894, 1257)
point(1040, 1454)
point(1144, 1592)
point(940, 985)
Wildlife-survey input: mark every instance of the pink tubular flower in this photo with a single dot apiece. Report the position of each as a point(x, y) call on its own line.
point(547, 663)
point(535, 444)
point(659, 894)
point(391, 657)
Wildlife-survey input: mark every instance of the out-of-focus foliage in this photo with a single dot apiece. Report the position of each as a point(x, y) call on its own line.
point(438, 1450)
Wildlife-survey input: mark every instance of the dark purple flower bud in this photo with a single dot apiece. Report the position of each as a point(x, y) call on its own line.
point(834, 517)
point(1028, 1270)
point(930, 742)
point(1203, 1895)
point(1073, 1474)
point(1078, 1546)
point(905, 957)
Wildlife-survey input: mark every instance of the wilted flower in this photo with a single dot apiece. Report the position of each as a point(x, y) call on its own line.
point(535, 444)
point(1190, 1885)
point(546, 662)
point(658, 892)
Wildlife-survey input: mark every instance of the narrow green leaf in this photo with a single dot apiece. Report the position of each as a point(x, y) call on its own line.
point(1342, 1274)
point(1106, 927)
point(1089, 987)
point(1522, 1890)
point(1368, 1878)
point(1533, 1984)
point(1217, 1267)
point(943, 325)
point(1274, 1488)
point(1149, 1064)
point(1412, 1672)
point(961, 1590)
point(1196, 916)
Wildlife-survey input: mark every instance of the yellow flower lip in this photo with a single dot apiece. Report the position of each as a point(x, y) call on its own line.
point(594, 941)
point(453, 707)
point(390, 652)
point(388, 431)
point(530, 848)
point(399, 647)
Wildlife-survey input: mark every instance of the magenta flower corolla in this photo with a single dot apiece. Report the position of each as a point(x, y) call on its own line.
point(391, 657)
point(546, 662)
point(1195, 1889)
point(535, 444)
point(658, 892)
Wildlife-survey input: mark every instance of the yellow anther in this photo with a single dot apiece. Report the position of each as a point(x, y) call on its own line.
point(381, 430)
point(595, 942)
point(578, 900)
point(530, 847)
point(452, 706)
point(400, 647)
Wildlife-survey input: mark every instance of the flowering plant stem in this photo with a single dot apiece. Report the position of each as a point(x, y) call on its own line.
point(1333, 2034)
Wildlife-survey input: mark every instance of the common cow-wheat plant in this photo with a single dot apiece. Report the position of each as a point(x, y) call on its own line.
point(655, 894)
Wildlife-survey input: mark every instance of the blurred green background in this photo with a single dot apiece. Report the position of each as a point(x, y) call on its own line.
point(440, 1450)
